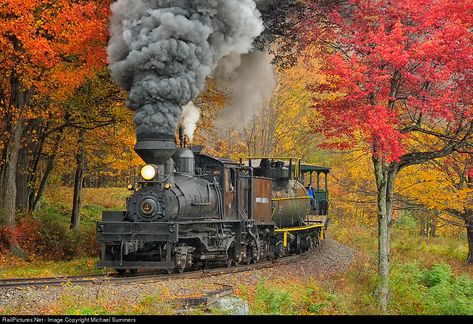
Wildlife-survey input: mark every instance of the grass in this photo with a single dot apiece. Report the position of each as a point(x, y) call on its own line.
point(51, 268)
point(105, 198)
point(292, 298)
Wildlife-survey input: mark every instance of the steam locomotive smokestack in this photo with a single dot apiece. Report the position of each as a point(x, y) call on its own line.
point(161, 51)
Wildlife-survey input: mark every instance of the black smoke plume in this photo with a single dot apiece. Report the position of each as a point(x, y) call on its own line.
point(161, 51)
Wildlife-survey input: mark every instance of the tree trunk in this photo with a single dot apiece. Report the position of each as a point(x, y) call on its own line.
point(8, 193)
point(22, 180)
point(469, 235)
point(9, 188)
point(423, 224)
point(433, 224)
point(2, 179)
point(49, 168)
point(385, 177)
point(36, 156)
point(44, 182)
point(78, 180)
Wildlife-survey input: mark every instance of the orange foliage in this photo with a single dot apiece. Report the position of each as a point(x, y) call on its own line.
point(52, 45)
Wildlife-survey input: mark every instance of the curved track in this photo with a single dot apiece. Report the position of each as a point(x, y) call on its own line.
point(144, 276)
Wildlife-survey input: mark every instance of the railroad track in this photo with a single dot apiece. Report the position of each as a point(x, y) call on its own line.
point(143, 277)
point(206, 298)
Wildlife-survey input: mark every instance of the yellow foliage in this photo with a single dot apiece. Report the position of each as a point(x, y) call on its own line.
point(284, 126)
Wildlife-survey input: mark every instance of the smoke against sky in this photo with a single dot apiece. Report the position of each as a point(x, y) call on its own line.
point(161, 51)
point(250, 81)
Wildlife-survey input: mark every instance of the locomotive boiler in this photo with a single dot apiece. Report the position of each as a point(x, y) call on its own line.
point(189, 209)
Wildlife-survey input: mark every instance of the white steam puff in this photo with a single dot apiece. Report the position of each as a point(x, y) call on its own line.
point(161, 51)
point(189, 118)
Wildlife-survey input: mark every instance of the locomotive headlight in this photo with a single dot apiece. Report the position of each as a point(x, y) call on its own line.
point(148, 172)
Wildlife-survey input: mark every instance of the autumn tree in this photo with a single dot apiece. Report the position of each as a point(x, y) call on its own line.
point(94, 111)
point(402, 73)
point(47, 49)
point(445, 186)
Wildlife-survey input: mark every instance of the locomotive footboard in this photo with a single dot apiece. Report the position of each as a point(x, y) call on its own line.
point(121, 242)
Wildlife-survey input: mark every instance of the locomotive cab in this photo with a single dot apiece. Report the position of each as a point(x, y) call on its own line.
point(320, 193)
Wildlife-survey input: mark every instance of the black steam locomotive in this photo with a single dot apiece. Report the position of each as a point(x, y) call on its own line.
point(190, 209)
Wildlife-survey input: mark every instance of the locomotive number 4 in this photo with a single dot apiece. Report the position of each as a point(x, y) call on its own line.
point(147, 207)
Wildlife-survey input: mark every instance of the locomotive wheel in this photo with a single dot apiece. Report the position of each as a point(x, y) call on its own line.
point(230, 256)
point(279, 251)
point(199, 265)
point(310, 243)
point(181, 270)
point(298, 243)
point(229, 262)
point(120, 272)
point(238, 259)
point(249, 255)
point(170, 271)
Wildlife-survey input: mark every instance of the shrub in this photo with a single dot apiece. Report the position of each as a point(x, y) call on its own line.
point(271, 300)
point(49, 235)
point(434, 291)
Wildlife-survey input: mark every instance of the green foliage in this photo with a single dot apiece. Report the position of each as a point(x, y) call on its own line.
point(294, 298)
point(90, 310)
point(56, 241)
point(406, 219)
point(91, 213)
point(270, 300)
point(434, 291)
point(436, 275)
point(312, 300)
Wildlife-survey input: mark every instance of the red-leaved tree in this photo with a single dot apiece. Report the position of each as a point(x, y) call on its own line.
point(402, 72)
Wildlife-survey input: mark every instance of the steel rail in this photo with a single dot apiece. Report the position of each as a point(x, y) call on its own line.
point(145, 276)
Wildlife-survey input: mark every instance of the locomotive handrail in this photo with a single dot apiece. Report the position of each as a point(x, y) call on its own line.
point(285, 231)
point(216, 185)
point(290, 198)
